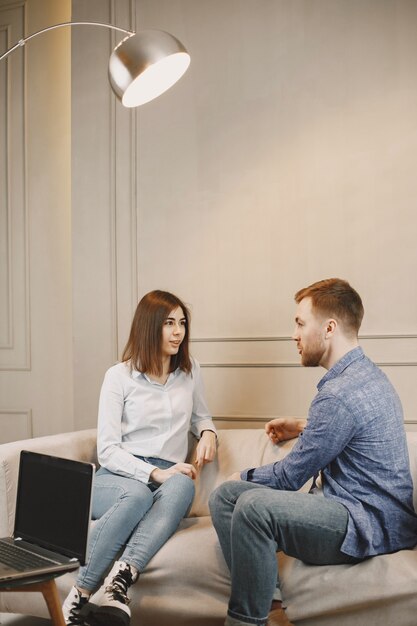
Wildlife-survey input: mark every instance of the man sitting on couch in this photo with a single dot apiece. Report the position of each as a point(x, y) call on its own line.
point(353, 445)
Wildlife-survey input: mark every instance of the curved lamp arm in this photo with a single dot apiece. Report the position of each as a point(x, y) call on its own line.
point(22, 41)
point(141, 67)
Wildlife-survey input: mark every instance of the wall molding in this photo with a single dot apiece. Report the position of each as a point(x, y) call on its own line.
point(288, 338)
point(15, 349)
point(262, 419)
point(244, 418)
point(278, 364)
point(21, 424)
point(7, 297)
point(113, 206)
point(124, 192)
point(386, 354)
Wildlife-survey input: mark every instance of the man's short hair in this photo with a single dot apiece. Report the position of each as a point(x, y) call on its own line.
point(334, 297)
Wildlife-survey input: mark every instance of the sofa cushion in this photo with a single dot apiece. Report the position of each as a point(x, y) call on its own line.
point(330, 594)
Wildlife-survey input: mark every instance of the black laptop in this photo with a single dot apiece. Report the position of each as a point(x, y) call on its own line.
point(53, 509)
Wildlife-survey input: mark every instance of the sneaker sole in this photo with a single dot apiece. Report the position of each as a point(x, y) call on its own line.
point(109, 616)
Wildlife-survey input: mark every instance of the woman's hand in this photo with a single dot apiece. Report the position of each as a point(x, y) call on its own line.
point(206, 448)
point(161, 475)
point(283, 428)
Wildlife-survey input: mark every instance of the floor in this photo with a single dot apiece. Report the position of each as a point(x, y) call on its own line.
point(9, 619)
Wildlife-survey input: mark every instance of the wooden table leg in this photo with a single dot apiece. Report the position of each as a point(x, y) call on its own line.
point(50, 593)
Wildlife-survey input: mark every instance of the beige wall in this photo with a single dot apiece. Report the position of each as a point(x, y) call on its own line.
point(35, 213)
point(285, 155)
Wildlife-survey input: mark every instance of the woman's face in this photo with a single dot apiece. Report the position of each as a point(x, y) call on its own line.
point(173, 332)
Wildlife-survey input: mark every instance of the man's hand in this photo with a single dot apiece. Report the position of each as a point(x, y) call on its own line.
point(283, 428)
point(206, 449)
point(161, 475)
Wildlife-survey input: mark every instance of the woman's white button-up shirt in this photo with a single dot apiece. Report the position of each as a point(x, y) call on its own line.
point(140, 417)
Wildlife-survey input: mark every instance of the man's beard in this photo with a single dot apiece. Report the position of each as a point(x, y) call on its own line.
point(312, 356)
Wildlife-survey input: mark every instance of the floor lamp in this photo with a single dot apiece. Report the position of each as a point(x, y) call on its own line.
point(141, 67)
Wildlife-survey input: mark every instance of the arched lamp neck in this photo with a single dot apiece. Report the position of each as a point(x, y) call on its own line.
point(22, 41)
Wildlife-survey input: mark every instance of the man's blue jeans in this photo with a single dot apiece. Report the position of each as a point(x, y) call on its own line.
point(133, 520)
point(254, 522)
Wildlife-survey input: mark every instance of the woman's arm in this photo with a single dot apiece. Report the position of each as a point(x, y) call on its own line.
point(111, 455)
point(161, 475)
point(206, 448)
point(201, 423)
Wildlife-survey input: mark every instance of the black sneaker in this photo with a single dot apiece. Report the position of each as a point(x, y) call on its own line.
point(72, 607)
point(111, 599)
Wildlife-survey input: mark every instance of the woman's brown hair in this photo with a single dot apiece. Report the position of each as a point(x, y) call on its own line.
point(144, 346)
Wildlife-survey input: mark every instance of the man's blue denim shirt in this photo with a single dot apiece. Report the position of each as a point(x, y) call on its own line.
point(355, 436)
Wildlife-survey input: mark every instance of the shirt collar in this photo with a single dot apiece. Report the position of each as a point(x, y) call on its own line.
point(341, 365)
point(136, 374)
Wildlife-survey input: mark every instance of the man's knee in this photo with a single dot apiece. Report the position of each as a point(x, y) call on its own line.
point(226, 493)
point(215, 497)
point(254, 507)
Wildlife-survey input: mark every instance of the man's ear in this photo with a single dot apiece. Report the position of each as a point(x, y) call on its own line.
point(331, 325)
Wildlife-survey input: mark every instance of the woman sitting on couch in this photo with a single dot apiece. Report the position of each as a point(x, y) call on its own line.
point(143, 489)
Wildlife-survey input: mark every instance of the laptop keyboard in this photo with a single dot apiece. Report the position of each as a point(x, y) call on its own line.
point(21, 559)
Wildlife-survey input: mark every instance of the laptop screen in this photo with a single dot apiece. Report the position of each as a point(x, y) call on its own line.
point(54, 503)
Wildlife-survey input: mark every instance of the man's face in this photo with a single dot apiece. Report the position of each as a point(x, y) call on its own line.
point(309, 333)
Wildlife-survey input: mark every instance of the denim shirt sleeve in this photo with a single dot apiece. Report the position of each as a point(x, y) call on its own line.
point(330, 427)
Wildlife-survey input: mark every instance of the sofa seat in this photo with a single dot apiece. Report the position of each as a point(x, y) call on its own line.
point(381, 591)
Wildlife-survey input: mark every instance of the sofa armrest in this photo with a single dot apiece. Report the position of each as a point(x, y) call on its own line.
point(79, 445)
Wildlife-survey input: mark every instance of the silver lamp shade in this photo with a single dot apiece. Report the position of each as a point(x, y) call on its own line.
point(146, 64)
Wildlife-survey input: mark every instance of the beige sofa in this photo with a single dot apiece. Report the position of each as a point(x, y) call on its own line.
point(186, 583)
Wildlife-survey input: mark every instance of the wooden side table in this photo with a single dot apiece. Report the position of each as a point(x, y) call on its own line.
point(46, 585)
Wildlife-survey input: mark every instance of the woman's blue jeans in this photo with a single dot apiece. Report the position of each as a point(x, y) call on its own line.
point(133, 520)
point(254, 522)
